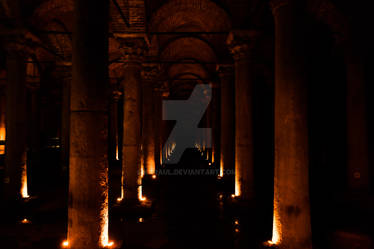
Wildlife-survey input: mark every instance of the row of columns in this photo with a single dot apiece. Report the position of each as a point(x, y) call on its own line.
point(88, 187)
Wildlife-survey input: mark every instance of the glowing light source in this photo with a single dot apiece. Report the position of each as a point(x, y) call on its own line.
point(140, 194)
point(2, 138)
point(237, 184)
point(25, 221)
point(236, 222)
point(154, 176)
point(141, 220)
point(24, 190)
point(233, 196)
point(117, 154)
point(276, 228)
point(109, 244)
point(65, 244)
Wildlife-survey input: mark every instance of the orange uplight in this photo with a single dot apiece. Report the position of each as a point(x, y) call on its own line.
point(141, 220)
point(109, 245)
point(140, 194)
point(65, 244)
point(25, 221)
point(24, 190)
point(154, 176)
point(2, 138)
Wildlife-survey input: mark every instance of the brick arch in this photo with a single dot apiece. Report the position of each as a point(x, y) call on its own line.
point(326, 12)
point(188, 47)
point(183, 68)
point(176, 13)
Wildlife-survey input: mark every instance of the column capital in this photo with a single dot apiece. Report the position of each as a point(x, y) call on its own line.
point(150, 71)
point(133, 47)
point(17, 43)
point(275, 5)
point(225, 70)
point(116, 95)
point(242, 43)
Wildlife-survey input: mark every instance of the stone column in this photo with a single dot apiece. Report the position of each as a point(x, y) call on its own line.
point(157, 99)
point(88, 174)
point(133, 50)
point(113, 123)
point(16, 129)
point(33, 85)
point(65, 118)
point(291, 225)
point(357, 131)
point(242, 45)
point(227, 117)
point(149, 74)
point(2, 118)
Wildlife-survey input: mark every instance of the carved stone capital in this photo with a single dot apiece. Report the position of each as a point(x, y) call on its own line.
point(133, 47)
point(150, 71)
point(243, 43)
point(116, 95)
point(275, 5)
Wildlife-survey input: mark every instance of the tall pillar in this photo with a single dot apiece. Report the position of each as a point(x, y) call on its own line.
point(357, 131)
point(88, 174)
point(291, 224)
point(113, 124)
point(242, 45)
point(2, 118)
point(133, 50)
point(15, 180)
point(157, 99)
point(227, 117)
point(149, 74)
point(65, 118)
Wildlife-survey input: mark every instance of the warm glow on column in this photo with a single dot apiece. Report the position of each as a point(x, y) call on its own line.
point(2, 138)
point(237, 182)
point(104, 218)
point(140, 194)
point(221, 169)
point(151, 165)
point(24, 190)
point(117, 155)
point(276, 237)
point(65, 244)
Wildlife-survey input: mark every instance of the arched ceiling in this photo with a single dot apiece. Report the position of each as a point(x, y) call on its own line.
point(191, 39)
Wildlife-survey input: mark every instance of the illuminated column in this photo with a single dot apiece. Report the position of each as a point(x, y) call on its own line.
point(291, 225)
point(214, 122)
point(113, 123)
point(242, 45)
point(2, 119)
point(149, 73)
point(15, 182)
point(88, 167)
point(357, 134)
point(227, 117)
point(133, 50)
